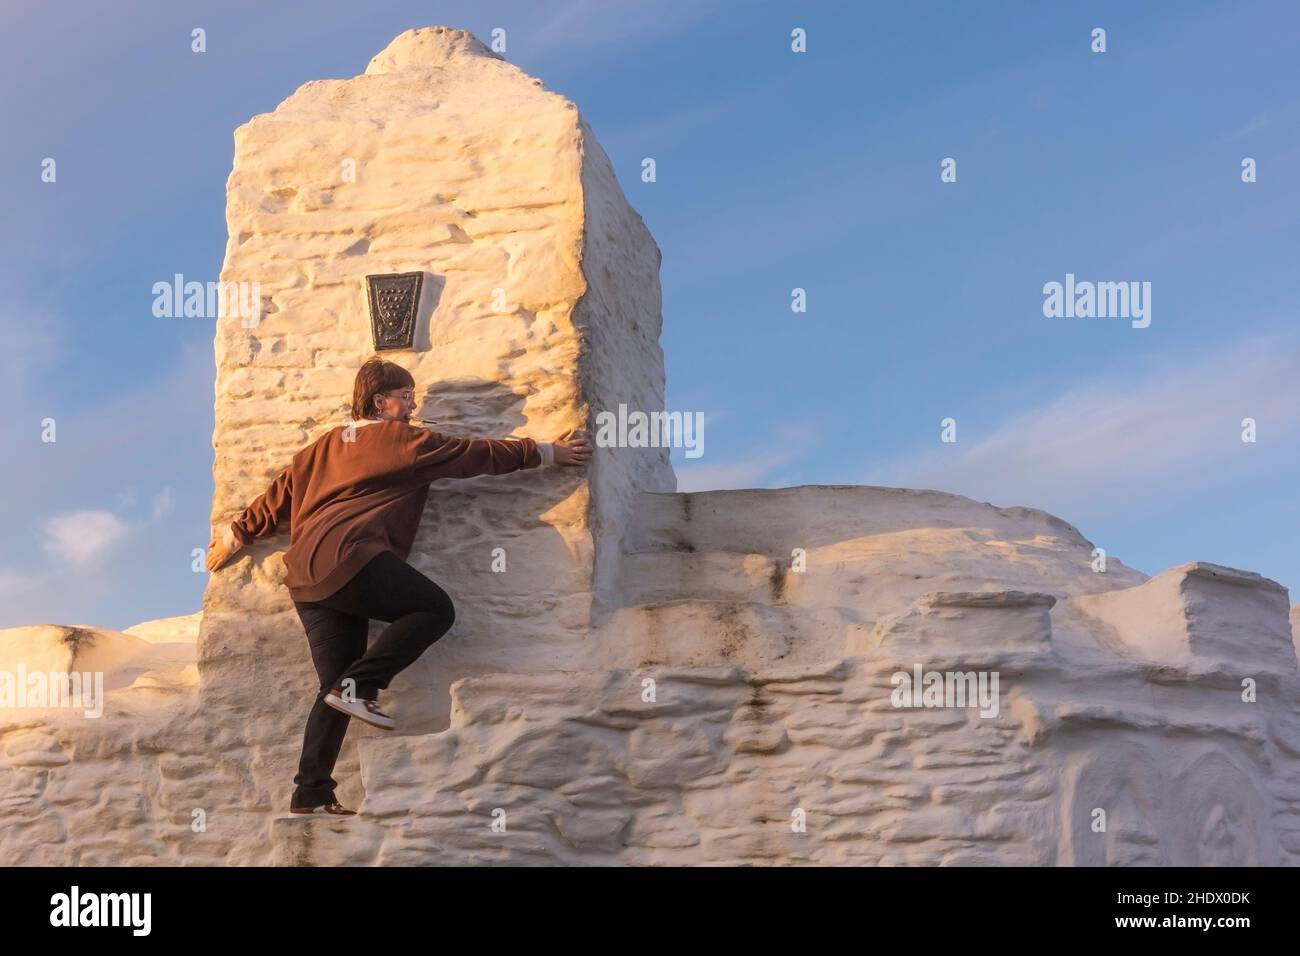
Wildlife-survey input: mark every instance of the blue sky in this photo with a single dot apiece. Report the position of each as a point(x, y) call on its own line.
point(775, 171)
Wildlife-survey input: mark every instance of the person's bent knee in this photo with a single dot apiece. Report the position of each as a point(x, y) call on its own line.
point(442, 606)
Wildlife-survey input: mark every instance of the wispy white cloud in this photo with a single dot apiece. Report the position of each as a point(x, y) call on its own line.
point(163, 504)
point(93, 541)
point(1262, 121)
point(86, 551)
point(1175, 425)
point(82, 536)
point(789, 444)
point(712, 418)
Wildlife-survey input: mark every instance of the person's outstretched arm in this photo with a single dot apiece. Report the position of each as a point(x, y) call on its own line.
point(261, 519)
point(435, 455)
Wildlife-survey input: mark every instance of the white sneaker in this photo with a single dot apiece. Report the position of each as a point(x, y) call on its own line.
point(362, 708)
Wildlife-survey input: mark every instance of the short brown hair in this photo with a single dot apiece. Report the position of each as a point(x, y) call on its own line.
point(377, 375)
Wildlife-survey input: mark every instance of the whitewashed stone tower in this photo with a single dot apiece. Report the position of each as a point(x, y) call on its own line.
point(540, 306)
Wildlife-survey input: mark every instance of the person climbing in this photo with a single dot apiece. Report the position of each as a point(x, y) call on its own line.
point(352, 501)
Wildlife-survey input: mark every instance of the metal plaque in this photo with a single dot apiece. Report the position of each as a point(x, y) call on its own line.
point(394, 298)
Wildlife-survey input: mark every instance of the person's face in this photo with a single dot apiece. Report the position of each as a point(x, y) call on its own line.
point(397, 404)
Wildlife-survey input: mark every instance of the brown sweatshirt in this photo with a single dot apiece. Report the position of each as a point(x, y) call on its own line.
point(345, 501)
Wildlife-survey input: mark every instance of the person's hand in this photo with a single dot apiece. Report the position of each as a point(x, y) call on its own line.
point(218, 556)
point(571, 450)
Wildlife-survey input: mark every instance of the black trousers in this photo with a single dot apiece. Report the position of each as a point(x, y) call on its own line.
point(387, 589)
